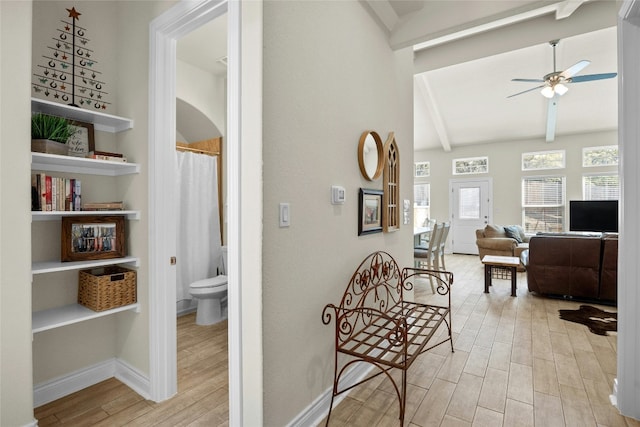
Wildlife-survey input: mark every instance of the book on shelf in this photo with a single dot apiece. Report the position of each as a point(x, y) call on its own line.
point(50, 193)
point(107, 155)
point(103, 206)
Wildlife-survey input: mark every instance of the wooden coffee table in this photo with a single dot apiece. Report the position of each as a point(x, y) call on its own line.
point(493, 262)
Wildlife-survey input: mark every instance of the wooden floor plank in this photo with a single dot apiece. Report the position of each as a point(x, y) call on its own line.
point(516, 363)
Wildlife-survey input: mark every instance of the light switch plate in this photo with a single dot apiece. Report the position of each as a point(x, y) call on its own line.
point(285, 215)
point(338, 195)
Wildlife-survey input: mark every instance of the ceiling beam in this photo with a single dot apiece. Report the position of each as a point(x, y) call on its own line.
point(384, 12)
point(427, 96)
point(591, 16)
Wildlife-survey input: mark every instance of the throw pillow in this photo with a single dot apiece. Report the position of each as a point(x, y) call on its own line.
point(513, 232)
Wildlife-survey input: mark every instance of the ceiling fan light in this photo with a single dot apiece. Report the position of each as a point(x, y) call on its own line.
point(547, 92)
point(561, 89)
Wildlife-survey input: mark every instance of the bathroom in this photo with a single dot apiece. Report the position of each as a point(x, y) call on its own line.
point(201, 284)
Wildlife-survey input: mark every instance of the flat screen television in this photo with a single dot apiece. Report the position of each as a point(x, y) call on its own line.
point(593, 215)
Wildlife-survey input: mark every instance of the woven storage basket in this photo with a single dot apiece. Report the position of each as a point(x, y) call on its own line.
point(105, 288)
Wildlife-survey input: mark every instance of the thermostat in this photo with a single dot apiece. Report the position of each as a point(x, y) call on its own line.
point(338, 195)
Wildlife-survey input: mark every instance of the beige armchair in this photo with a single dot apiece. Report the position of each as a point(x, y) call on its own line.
point(502, 241)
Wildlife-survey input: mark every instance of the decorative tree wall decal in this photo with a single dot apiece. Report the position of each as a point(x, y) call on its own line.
point(67, 71)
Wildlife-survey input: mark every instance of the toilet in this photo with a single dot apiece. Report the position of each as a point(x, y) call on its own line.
point(211, 295)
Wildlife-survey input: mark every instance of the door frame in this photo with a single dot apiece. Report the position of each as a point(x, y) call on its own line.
point(626, 386)
point(244, 170)
point(452, 181)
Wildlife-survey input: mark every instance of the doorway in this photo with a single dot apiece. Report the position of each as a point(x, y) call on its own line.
point(244, 159)
point(471, 208)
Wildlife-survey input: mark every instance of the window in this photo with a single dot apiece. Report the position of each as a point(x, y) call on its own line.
point(470, 165)
point(422, 169)
point(421, 204)
point(543, 203)
point(601, 187)
point(600, 156)
point(543, 160)
point(469, 204)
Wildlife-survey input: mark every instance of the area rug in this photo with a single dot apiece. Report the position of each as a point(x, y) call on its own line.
point(598, 321)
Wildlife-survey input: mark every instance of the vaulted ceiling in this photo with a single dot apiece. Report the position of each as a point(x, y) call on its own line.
point(466, 53)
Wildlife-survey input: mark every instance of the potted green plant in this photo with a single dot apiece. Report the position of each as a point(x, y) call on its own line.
point(49, 134)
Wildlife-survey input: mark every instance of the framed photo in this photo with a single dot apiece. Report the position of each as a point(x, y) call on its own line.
point(82, 142)
point(92, 237)
point(370, 211)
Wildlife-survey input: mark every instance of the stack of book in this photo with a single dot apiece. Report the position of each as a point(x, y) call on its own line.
point(50, 193)
point(106, 155)
point(103, 206)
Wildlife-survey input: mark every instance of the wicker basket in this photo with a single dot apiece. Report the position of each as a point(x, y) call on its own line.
point(108, 287)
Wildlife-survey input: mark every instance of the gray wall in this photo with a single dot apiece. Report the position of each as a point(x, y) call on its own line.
point(329, 74)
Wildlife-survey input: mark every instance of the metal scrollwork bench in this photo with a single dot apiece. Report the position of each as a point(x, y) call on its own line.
point(375, 325)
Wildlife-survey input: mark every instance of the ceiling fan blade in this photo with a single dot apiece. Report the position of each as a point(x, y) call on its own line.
point(525, 91)
point(528, 80)
point(552, 114)
point(591, 77)
point(575, 69)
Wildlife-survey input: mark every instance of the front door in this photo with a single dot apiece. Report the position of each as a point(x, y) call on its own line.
point(470, 210)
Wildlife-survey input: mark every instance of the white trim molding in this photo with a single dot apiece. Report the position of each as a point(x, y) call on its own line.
point(163, 32)
point(627, 385)
point(56, 388)
point(313, 414)
point(244, 177)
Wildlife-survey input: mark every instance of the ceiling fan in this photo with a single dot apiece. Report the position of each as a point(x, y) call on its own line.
point(554, 86)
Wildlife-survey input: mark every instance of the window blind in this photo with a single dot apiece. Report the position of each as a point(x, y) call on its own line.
point(601, 187)
point(543, 203)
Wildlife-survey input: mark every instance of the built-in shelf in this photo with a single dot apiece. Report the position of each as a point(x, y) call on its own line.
point(57, 163)
point(54, 266)
point(101, 121)
point(56, 215)
point(70, 314)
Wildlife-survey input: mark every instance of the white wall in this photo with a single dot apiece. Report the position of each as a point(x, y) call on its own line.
point(329, 75)
point(204, 91)
point(505, 160)
point(119, 36)
point(16, 387)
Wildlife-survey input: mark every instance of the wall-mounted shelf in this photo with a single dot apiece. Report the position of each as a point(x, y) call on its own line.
point(81, 165)
point(56, 215)
point(70, 314)
point(101, 121)
point(54, 266)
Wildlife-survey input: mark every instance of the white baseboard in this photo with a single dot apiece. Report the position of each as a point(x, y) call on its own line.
point(133, 378)
point(613, 397)
point(62, 386)
point(313, 414)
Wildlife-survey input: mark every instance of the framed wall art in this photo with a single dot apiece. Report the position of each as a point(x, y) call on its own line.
point(370, 211)
point(82, 142)
point(92, 237)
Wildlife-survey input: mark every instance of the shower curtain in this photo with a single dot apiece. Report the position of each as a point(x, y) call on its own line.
point(199, 250)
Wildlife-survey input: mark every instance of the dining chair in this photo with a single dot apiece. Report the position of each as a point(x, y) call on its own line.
point(429, 223)
point(443, 240)
point(427, 256)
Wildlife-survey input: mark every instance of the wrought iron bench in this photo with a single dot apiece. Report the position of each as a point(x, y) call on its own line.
point(374, 324)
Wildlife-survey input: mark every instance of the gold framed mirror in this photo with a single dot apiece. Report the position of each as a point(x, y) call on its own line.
point(370, 155)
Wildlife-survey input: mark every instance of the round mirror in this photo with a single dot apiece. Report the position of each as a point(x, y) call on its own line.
point(370, 155)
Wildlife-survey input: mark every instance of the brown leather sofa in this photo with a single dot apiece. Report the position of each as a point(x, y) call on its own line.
point(573, 266)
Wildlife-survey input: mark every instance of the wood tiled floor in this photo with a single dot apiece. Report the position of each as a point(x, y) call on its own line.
point(202, 398)
point(516, 364)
